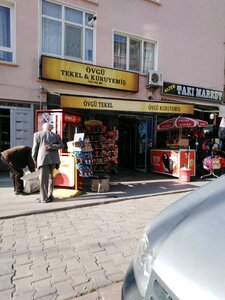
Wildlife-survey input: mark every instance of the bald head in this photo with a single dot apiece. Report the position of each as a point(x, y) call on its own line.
point(47, 126)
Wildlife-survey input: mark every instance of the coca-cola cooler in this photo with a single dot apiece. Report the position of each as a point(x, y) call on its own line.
point(66, 124)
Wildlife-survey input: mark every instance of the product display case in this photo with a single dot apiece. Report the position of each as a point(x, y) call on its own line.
point(83, 151)
point(105, 149)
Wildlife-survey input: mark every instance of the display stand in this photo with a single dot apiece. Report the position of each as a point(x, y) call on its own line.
point(105, 154)
point(105, 151)
point(82, 149)
point(65, 178)
point(171, 162)
point(211, 164)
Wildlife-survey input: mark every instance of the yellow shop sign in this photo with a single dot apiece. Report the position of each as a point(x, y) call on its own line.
point(93, 103)
point(79, 73)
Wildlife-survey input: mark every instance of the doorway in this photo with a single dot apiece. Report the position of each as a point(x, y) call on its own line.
point(135, 142)
point(126, 143)
point(4, 133)
point(143, 144)
point(4, 129)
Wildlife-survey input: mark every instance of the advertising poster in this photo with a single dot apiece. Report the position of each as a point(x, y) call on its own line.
point(170, 161)
point(165, 161)
point(65, 175)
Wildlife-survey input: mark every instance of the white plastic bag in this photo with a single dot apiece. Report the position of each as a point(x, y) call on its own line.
point(31, 182)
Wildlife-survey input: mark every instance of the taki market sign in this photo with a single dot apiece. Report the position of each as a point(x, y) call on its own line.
point(191, 91)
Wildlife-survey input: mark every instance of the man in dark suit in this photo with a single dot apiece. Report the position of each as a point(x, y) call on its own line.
point(16, 159)
point(45, 152)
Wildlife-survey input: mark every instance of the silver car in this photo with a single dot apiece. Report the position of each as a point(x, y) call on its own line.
point(182, 252)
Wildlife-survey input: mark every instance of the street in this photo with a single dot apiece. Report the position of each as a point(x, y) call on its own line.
point(73, 253)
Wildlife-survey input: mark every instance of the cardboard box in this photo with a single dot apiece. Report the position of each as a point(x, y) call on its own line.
point(183, 142)
point(100, 185)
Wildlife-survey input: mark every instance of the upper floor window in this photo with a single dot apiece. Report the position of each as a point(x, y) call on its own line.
point(134, 54)
point(66, 33)
point(7, 52)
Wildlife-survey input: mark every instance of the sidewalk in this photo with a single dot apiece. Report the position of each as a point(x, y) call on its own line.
point(124, 187)
point(78, 254)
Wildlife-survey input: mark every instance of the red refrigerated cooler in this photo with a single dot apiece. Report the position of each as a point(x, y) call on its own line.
point(66, 124)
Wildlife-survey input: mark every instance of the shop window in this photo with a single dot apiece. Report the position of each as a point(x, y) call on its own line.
point(134, 54)
point(7, 39)
point(66, 32)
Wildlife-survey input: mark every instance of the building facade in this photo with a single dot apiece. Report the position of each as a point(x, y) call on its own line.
point(130, 63)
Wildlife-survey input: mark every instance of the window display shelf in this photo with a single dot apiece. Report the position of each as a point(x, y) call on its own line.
point(104, 144)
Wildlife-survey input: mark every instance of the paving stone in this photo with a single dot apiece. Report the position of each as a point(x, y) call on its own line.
point(59, 275)
point(22, 258)
point(69, 254)
point(118, 258)
point(23, 284)
point(59, 237)
point(65, 245)
point(70, 231)
point(35, 242)
point(44, 288)
point(25, 295)
point(7, 243)
point(79, 277)
point(55, 262)
point(73, 264)
point(49, 243)
point(7, 269)
point(84, 288)
point(91, 296)
point(79, 246)
point(46, 293)
point(52, 252)
point(36, 250)
point(40, 273)
point(65, 290)
point(6, 282)
point(90, 266)
point(123, 267)
point(7, 295)
point(115, 277)
point(39, 261)
point(102, 257)
point(99, 278)
point(49, 297)
point(22, 271)
point(109, 267)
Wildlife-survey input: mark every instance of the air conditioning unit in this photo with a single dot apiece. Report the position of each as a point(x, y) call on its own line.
point(154, 79)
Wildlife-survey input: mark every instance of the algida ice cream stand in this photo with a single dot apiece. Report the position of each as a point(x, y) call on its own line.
point(177, 159)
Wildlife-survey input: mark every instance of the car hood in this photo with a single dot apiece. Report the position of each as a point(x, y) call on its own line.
point(190, 252)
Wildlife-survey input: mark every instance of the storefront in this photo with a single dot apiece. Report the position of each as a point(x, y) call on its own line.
point(134, 120)
point(206, 108)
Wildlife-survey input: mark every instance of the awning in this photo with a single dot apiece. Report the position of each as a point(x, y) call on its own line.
point(199, 105)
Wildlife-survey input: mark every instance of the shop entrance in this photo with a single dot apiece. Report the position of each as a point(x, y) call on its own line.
point(135, 142)
point(143, 143)
point(126, 143)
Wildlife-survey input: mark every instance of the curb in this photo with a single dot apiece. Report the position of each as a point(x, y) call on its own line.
point(96, 203)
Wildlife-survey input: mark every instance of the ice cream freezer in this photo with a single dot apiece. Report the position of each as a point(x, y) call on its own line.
point(172, 161)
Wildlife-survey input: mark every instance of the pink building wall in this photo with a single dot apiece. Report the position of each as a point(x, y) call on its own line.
point(190, 36)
